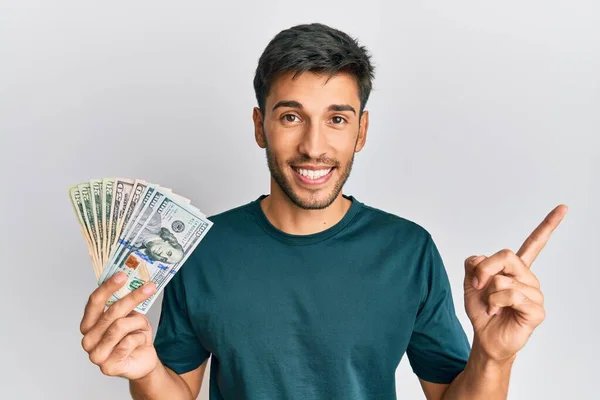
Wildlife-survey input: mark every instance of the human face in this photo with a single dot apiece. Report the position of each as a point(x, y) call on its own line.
point(159, 250)
point(311, 131)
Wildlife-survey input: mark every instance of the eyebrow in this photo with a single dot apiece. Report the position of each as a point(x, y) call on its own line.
point(295, 104)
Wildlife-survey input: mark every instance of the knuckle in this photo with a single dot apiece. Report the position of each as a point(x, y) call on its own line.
point(121, 351)
point(120, 325)
point(94, 357)
point(506, 253)
point(497, 282)
point(129, 342)
point(126, 343)
point(115, 330)
point(144, 322)
point(86, 343)
point(108, 369)
point(82, 327)
point(540, 296)
point(95, 298)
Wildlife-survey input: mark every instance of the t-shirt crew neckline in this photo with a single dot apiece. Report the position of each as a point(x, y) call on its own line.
point(292, 239)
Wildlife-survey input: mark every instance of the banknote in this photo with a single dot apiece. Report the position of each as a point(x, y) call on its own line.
point(139, 208)
point(141, 228)
point(138, 193)
point(96, 200)
point(138, 189)
point(86, 202)
point(76, 201)
point(147, 208)
point(106, 198)
point(144, 209)
point(161, 244)
point(197, 236)
point(132, 219)
point(120, 197)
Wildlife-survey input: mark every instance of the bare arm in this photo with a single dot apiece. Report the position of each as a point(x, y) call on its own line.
point(163, 383)
point(481, 379)
point(432, 390)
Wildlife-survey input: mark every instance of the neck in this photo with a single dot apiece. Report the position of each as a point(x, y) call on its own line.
point(289, 218)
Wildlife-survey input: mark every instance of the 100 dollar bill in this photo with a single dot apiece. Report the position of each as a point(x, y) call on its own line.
point(160, 246)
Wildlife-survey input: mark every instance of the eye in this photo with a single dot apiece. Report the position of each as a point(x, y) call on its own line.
point(337, 120)
point(290, 118)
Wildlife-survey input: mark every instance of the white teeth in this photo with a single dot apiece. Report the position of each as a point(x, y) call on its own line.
point(310, 174)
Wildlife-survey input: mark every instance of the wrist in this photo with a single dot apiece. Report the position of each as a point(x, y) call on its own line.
point(158, 371)
point(487, 364)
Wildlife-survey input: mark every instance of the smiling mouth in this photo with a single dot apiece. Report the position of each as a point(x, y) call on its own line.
point(313, 174)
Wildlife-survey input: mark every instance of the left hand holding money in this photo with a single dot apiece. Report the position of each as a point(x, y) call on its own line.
point(502, 296)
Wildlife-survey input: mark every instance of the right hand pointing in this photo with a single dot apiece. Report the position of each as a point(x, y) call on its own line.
point(119, 340)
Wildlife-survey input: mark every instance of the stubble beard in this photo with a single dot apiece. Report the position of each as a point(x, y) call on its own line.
point(313, 203)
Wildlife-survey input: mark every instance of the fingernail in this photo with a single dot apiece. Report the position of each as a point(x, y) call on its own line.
point(149, 288)
point(119, 277)
point(475, 282)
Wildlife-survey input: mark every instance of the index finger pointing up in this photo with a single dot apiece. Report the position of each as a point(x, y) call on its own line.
point(540, 236)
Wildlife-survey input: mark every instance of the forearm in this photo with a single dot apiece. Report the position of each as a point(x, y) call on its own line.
point(481, 379)
point(161, 384)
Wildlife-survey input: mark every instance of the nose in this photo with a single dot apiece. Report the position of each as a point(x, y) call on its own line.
point(313, 143)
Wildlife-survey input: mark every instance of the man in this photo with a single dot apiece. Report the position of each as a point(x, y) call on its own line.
point(308, 293)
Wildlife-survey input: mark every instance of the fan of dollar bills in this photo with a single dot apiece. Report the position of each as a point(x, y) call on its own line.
point(137, 227)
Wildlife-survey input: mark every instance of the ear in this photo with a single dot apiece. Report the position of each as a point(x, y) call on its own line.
point(259, 134)
point(362, 131)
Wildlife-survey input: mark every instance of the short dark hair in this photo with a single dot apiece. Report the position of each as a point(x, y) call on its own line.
point(316, 48)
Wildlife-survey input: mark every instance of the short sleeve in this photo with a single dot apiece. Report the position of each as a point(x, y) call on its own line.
point(439, 348)
point(176, 342)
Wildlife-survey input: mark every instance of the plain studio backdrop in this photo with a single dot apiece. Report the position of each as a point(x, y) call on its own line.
point(484, 116)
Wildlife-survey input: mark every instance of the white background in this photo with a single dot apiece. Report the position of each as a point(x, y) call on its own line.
point(484, 116)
